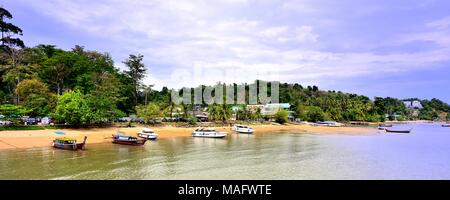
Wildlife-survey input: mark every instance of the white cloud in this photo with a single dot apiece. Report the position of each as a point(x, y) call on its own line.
point(175, 35)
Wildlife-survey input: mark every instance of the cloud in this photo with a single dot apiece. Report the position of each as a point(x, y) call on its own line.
point(231, 35)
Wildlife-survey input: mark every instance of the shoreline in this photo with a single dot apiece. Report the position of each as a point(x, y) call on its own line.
point(43, 138)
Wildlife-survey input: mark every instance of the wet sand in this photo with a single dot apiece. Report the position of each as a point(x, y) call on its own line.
point(43, 138)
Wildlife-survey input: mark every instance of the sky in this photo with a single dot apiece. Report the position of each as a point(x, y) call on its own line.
point(396, 48)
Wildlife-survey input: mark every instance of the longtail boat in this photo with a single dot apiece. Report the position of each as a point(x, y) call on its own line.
point(384, 126)
point(398, 131)
point(127, 140)
point(69, 143)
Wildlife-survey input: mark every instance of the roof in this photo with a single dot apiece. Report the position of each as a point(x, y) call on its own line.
point(282, 105)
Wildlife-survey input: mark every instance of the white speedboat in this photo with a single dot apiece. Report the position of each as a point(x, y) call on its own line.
point(208, 133)
point(242, 129)
point(148, 134)
point(328, 123)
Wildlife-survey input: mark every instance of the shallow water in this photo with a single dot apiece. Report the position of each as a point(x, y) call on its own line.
point(424, 154)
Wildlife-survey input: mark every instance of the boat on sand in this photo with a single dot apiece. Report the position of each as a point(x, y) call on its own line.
point(242, 129)
point(69, 143)
point(148, 134)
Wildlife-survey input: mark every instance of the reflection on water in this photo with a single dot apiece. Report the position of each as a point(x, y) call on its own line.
point(425, 154)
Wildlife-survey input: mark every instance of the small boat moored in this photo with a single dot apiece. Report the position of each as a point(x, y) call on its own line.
point(208, 133)
point(148, 134)
point(127, 140)
point(445, 125)
point(242, 129)
point(328, 123)
point(69, 143)
point(384, 126)
point(397, 131)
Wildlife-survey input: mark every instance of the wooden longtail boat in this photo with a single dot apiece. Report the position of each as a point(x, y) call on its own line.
point(69, 143)
point(398, 131)
point(384, 126)
point(127, 140)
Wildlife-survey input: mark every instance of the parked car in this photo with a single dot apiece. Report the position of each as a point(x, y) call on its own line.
point(30, 121)
point(5, 123)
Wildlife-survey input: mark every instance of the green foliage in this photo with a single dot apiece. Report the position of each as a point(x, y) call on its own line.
point(73, 108)
point(33, 78)
point(220, 112)
point(281, 116)
point(149, 112)
point(8, 31)
point(136, 72)
point(9, 110)
point(315, 114)
point(375, 118)
point(433, 108)
point(23, 128)
point(35, 96)
point(193, 121)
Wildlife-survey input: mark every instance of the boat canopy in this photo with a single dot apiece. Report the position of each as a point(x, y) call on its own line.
point(66, 139)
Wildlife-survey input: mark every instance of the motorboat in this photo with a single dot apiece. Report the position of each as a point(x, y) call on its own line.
point(328, 123)
point(242, 129)
point(208, 133)
point(148, 134)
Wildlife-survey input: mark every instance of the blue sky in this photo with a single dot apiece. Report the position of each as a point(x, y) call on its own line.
point(398, 48)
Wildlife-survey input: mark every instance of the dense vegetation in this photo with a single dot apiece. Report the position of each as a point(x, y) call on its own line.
point(83, 87)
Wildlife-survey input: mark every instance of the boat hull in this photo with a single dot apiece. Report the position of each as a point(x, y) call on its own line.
point(446, 125)
point(243, 130)
point(148, 136)
point(78, 146)
point(397, 131)
point(131, 142)
point(72, 146)
point(209, 136)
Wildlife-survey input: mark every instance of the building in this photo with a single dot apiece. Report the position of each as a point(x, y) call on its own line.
point(270, 109)
point(413, 104)
point(413, 108)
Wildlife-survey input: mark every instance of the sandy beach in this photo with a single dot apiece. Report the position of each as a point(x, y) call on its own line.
point(43, 138)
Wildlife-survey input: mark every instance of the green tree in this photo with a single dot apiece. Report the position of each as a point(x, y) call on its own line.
point(73, 108)
point(301, 112)
point(315, 114)
point(9, 30)
point(136, 71)
point(149, 112)
point(57, 70)
point(104, 98)
point(36, 97)
point(10, 110)
point(281, 116)
point(220, 112)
